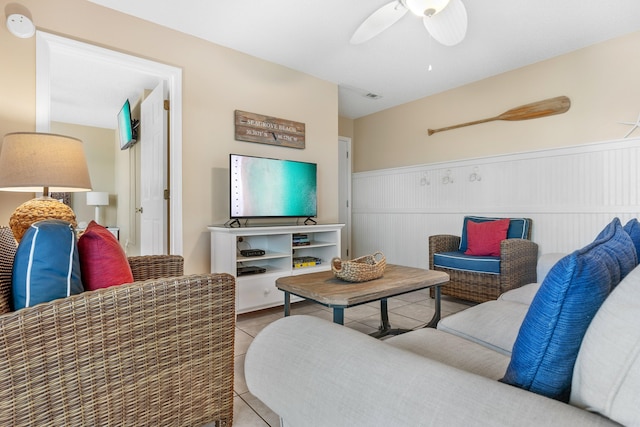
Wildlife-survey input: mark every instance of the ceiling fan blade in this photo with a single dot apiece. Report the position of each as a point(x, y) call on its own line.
point(448, 27)
point(379, 21)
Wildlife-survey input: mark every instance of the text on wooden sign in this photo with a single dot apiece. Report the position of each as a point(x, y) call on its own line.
point(253, 127)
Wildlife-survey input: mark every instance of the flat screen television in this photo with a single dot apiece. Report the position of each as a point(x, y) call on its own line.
point(268, 188)
point(127, 127)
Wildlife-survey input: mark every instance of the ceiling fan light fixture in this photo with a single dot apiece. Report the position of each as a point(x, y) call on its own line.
point(426, 7)
point(449, 27)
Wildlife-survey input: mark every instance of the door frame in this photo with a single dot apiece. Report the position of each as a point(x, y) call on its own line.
point(345, 165)
point(47, 44)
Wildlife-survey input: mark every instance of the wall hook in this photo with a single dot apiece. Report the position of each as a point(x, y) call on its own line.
point(447, 178)
point(475, 175)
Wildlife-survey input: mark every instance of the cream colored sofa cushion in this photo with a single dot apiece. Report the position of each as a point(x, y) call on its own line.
point(492, 324)
point(453, 351)
point(606, 376)
point(523, 294)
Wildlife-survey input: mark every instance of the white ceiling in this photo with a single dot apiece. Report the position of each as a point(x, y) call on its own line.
point(312, 36)
point(89, 91)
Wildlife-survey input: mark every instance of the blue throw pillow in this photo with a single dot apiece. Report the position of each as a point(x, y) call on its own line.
point(619, 249)
point(549, 339)
point(633, 230)
point(46, 265)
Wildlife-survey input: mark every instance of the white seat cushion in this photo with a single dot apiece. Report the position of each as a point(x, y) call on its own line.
point(492, 324)
point(453, 351)
point(523, 294)
point(606, 376)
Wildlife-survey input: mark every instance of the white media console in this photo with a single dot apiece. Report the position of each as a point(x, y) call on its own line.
point(289, 250)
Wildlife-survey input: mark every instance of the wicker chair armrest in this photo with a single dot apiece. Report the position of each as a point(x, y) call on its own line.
point(156, 266)
point(442, 243)
point(518, 262)
point(158, 352)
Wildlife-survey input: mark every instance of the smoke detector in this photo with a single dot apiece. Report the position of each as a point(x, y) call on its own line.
point(20, 26)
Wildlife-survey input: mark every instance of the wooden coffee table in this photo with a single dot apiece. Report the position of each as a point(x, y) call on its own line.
point(324, 288)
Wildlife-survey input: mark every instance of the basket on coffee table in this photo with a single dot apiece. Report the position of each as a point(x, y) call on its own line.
point(361, 269)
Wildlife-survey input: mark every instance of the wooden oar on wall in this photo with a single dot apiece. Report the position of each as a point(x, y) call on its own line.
point(535, 110)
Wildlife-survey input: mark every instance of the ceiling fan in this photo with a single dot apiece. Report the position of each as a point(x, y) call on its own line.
point(445, 20)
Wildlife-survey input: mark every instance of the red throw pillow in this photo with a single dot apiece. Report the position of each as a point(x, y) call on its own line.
point(102, 261)
point(483, 238)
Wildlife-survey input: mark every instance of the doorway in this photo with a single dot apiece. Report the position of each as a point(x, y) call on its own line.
point(49, 45)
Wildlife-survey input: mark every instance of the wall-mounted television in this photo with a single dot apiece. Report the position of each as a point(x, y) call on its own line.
point(268, 188)
point(127, 127)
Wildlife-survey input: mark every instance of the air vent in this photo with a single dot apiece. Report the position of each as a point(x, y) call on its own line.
point(372, 96)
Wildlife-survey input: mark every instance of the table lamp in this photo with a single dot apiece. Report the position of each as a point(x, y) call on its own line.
point(34, 162)
point(97, 199)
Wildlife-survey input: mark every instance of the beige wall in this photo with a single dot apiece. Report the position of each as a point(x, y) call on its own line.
point(345, 127)
point(99, 148)
point(216, 81)
point(601, 81)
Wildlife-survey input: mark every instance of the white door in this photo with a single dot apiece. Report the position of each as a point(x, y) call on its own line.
point(153, 173)
point(344, 195)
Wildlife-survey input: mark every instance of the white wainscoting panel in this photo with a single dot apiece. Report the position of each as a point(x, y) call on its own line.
point(569, 193)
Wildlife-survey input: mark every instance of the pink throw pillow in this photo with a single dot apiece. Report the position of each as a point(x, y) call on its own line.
point(483, 238)
point(102, 260)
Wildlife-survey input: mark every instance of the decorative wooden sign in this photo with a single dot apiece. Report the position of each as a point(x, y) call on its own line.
point(269, 130)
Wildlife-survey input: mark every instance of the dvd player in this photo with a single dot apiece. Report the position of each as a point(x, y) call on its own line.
point(250, 269)
point(251, 252)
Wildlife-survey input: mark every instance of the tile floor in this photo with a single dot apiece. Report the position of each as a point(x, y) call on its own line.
point(407, 311)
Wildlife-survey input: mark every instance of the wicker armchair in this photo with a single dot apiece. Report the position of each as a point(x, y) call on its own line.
point(518, 260)
point(149, 353)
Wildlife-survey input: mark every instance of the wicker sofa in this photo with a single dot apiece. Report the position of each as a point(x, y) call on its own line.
point(517, 266)
point(155, 352)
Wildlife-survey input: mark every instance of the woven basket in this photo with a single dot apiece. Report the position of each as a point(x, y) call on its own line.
point(361, 269)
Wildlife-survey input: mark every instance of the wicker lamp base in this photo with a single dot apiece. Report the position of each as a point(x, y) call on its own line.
point(37, 210)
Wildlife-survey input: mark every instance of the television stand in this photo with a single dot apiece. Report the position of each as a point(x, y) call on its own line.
point(284, 247)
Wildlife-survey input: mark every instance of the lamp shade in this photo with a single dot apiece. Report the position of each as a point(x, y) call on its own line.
point(31, 162)
point(97, 198)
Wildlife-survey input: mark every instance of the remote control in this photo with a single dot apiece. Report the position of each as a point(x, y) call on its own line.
point(251, 252)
